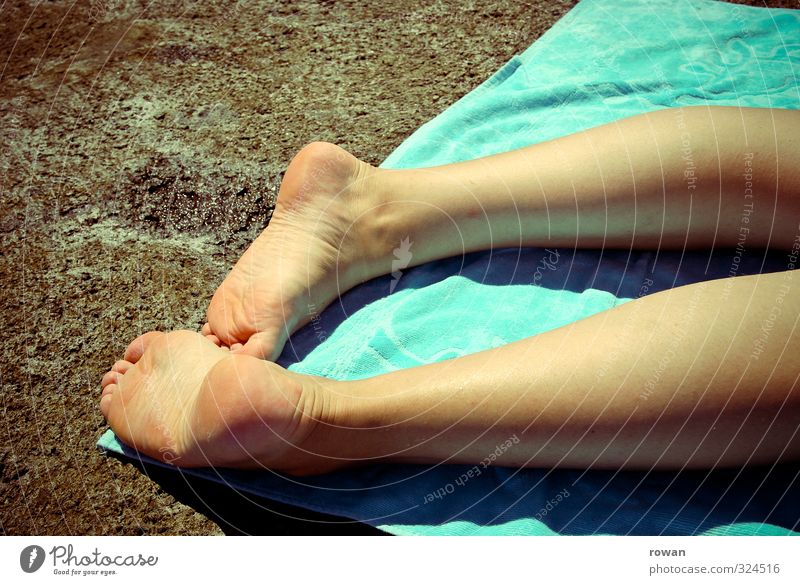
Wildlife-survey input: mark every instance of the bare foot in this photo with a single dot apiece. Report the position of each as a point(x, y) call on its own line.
point(180, 399)
point(315, 248)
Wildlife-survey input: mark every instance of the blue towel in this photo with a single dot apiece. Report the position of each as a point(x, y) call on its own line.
point(605, 60)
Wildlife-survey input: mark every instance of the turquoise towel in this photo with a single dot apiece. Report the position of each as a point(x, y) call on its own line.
point(605, 60)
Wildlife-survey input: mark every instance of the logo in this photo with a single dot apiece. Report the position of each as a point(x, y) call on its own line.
point(402, 258)
point(31, 558)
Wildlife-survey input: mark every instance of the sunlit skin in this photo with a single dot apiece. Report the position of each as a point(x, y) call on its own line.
point(216, 398)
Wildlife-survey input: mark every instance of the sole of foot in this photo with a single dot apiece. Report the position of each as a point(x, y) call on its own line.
point(318, 245)
point(180, 399)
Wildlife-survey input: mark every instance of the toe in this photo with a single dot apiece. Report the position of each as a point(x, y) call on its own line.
point(236, 346)
point(110, 378)
point(206, 330)
point(110, 389)
point(139, 345)
point(121, 366)
point(263, 346)
point(214, 339)
point(105, 404)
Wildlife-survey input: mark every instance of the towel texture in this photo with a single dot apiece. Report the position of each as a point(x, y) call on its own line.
point(605, 60)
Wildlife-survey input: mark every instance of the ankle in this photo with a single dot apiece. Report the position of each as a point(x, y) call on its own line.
point(344, 431)
point(381, 223)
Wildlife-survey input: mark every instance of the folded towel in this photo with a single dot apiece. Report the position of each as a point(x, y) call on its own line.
point(605, 60)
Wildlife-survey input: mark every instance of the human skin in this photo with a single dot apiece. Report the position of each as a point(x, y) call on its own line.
point(598, 392)
point(595, 393)
point(670, 179)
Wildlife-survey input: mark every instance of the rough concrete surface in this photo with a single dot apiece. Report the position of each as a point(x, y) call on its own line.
point(142, 147)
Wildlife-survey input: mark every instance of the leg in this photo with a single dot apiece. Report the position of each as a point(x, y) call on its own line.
point(669, 381)
point(670, 179)
point(597, 393)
